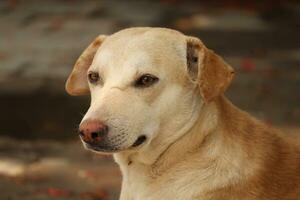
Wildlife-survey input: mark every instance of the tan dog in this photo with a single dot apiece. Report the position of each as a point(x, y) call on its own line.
point(157, 104)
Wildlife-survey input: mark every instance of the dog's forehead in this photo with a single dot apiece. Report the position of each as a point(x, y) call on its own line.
point(147, 35)
point(142, 47)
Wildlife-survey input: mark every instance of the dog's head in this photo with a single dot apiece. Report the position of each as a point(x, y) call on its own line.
point(147, 86)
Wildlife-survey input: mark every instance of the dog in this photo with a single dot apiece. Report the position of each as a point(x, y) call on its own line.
point(158, 105)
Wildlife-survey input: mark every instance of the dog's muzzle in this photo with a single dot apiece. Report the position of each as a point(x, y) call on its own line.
point(94, 135)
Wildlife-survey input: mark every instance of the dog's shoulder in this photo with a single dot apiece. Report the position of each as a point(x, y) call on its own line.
point(275, 158)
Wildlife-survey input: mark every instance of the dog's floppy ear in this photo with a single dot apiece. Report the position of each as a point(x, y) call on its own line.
point(77, 82)
point(211, 72)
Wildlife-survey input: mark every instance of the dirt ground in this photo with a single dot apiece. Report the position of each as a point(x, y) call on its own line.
point(46, 170)
point(38, 170)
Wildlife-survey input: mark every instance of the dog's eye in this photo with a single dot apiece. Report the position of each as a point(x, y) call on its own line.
point(93, 77)
point(145, 80)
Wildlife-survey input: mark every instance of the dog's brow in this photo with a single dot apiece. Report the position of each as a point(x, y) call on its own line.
point(103, 57)
point(139, 60)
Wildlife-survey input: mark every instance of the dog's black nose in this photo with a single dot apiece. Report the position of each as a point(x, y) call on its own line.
point(92, 131)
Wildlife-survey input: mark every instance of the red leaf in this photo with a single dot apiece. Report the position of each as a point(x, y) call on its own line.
point(98, 194)
point(56, 192)
point(248, 65)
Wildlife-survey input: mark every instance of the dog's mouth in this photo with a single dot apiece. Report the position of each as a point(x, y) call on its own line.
point(105, 148)
point(139, 141)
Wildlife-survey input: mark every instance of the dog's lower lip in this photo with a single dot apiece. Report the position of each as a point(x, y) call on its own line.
point(100, 149)
point(139, 141)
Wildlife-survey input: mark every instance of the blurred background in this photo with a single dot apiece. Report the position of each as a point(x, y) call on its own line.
point(40, 154)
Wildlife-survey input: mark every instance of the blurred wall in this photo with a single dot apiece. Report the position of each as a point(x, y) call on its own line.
point(41, 40)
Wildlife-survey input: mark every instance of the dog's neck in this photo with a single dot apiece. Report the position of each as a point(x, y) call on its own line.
point(211, 142)
point(203, 127)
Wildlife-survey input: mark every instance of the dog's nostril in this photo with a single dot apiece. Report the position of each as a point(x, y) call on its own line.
point(94, 135)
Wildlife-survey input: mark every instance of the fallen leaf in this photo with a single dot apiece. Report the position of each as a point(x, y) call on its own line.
point(98, 194)
point(57, 192)
point(248, 65)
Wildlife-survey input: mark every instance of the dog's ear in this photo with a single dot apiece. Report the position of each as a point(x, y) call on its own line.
point(212, 73)
point(77, 82)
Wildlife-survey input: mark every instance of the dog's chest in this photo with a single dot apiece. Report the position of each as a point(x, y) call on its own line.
point(139, 183)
